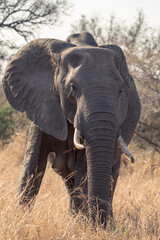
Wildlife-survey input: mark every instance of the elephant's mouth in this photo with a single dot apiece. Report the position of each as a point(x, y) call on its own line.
point(120, 143)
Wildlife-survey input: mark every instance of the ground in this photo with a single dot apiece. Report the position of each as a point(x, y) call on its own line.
point(136, 202)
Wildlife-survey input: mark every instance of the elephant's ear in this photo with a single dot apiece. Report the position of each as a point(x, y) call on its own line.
point(134, 107)
point(29, 85)
point(123, 69)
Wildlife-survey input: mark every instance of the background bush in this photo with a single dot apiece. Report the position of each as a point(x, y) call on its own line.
point(7, 123)
point(11, 121)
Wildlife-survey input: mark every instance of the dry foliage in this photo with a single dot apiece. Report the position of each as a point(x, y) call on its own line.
point(136, 202)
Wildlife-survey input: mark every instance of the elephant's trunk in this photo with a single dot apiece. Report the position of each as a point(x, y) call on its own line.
point(100, 139)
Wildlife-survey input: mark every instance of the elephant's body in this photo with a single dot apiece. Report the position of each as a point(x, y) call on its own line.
point(92, 92)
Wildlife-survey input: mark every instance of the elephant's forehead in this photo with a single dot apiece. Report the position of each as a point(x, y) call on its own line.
point(90, 52)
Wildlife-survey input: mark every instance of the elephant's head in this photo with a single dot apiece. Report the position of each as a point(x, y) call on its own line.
point(88, 85)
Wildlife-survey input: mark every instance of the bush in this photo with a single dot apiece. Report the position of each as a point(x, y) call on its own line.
point(7, 123)
point(11, 121)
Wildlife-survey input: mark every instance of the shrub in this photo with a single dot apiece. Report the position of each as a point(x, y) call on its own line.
point(7, 123)
point(11, 121)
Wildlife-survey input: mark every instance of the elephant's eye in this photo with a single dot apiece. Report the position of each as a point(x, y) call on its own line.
point(72, 86)
point(120, 91)
point(72, 92)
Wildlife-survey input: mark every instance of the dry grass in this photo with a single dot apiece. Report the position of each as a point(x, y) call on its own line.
point(136, 202)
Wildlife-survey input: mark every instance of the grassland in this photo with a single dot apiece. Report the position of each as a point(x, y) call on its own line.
point(136, 202)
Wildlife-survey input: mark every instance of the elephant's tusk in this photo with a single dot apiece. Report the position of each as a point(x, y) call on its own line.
point(76, 139)
point(121, 144)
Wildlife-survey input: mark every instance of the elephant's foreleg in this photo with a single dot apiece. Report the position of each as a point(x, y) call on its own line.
point(69, 182)
point(33, 166)
point(79, 195)
point(114, 178)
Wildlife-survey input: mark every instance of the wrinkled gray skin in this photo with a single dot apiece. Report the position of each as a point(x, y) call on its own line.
point(70, 84)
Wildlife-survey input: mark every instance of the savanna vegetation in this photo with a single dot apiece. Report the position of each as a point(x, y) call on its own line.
point(136, 202)
point(137, 198)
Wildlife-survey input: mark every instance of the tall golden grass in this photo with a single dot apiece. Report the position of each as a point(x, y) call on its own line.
point(136, 202)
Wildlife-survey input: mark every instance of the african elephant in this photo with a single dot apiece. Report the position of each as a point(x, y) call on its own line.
point(79, 94)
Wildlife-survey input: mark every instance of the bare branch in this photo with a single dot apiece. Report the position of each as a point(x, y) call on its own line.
point(157, 146)
point(136, 28)
point(23, 15)
point(149, 126)
point(21, 18)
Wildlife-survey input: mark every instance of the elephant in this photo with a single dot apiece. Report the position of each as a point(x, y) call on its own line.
point(84, 108)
